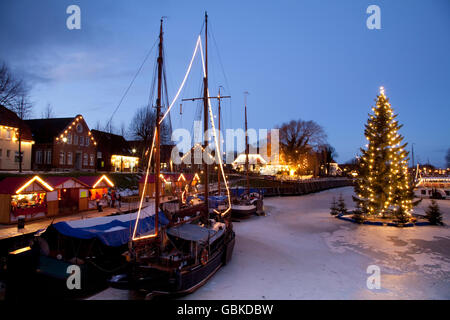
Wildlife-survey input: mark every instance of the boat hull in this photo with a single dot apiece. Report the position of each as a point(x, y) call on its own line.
point(178, 283)
point(243, 211)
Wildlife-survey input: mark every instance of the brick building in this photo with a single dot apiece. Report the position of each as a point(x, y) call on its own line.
point(114, 153)
point(62, 144)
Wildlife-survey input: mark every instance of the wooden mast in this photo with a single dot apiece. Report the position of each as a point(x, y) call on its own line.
point(205, 112)
point(218, 150)
point(205, 99)
point(158, 136)
point(246, 144)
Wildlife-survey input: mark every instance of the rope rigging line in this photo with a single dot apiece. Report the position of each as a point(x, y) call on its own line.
point(184, 80)
point(211, 115)
point(215, 139)
point(153, 144)
point(223, 72)
point(131, 83)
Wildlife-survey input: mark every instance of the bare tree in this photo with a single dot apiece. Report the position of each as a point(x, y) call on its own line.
point(142, 128)
point(48, 112)
point(143, 124)
point(23, 108)
point(123, 130)
point(327, 155)
point(297, 138)
point(11, 88)
point(109, 127)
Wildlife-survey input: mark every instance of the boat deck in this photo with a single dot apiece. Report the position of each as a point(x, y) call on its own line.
point(10, 230)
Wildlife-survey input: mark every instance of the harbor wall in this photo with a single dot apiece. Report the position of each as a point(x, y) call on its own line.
point(297, 188)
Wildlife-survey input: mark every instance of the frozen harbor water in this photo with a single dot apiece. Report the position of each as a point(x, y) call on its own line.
point(299, 251)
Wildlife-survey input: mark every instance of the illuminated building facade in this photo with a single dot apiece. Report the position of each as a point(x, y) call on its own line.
point(9, 143)
point(114, 153)
point(62, 144)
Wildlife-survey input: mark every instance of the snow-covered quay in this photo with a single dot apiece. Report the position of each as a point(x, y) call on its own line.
point(299, 251)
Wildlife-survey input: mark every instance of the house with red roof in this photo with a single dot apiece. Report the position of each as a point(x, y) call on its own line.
point(62, 144)
point(10, 128)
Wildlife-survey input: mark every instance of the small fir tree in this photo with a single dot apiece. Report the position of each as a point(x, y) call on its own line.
point(433, 214)
point(334, 209)
point(401, 215)
point(341, 207)
point(358, 215)
point(383, 181)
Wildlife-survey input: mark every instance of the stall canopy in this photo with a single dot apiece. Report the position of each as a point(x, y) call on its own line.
point(112, 231)
point(65, 182)
point(17, 185)
point(96, 181)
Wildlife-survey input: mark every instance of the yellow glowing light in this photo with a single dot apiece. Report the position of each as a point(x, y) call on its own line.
point(103, 177)
point(35, 178)
point(18, 251)
point(162, 177)
point(134, 238)
point(181, 177)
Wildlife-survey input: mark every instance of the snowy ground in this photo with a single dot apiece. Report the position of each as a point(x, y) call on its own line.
point(299, 251)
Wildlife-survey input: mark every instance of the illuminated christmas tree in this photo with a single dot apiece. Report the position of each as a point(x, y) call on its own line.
point(383, 182)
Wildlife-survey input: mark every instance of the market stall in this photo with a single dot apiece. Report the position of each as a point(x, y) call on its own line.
point(171, 183)
point(72, 195)
point(24, 196)
point(97, 185)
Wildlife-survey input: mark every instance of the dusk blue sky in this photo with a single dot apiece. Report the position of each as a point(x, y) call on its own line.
point(314, 60)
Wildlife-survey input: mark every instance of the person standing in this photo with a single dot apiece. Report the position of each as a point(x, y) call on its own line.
point(97, 200)
point(113, 198)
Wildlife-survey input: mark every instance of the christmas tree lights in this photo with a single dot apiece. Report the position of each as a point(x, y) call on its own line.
point(383, 187)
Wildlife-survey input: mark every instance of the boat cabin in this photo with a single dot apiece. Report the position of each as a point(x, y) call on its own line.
point(433, 187)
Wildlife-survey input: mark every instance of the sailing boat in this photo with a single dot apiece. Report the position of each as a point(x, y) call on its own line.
point(183, 254)
point(249, 202)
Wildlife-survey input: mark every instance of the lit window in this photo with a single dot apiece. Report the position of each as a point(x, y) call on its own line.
point(91, 160)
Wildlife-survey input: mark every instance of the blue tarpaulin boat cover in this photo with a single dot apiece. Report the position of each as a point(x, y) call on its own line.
point(113, 231)
point(214, 201)
point(237, 192)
